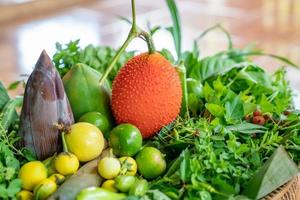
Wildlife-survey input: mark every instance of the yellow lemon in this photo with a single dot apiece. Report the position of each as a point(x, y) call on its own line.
point(24, 195)
point(31, 174)
point(66, 163)
point(85, 141)
point(57, 178)
point(109, 185)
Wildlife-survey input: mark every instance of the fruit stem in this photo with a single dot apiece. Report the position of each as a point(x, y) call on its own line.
point(134, 32)
point(130, 37)
point(133, 13)
point(184, 102)
point(111, 154)
point(65, 147)
point(148, 38)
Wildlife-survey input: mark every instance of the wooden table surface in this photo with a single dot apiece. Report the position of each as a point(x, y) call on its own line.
point(274, 25)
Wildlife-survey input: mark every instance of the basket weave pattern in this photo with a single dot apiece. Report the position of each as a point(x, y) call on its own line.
point(289, 191)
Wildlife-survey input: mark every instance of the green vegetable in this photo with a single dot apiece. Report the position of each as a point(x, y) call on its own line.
point(99, 193)
point(85, 94)
point(139, 188)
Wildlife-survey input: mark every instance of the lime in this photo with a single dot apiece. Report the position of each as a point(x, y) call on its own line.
point(97, 119)
point(125, 140)
point(150, 162)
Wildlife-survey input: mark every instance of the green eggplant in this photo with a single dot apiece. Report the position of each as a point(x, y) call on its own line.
point(85, 95)
point(45, 106)
point(124, 182)
point(95, 193)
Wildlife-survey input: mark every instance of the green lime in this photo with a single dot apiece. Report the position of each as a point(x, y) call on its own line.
point(150, 162)
point(125, 140)
point(124, 182)
point(98, 120)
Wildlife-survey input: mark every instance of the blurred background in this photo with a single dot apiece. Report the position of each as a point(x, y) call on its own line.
point(29, 26)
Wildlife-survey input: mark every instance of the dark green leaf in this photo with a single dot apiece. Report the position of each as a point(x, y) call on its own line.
point(211, 67)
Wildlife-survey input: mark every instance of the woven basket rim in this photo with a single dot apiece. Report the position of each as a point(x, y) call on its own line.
point(288, 191)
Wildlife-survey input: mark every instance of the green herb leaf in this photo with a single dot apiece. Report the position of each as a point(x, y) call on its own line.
point(215, 109)
point(14, 187)
point(185, 168)
point(234, 110)
point(247, 128)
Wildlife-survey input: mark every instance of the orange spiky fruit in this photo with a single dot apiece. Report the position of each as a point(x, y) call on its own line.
point(147, 93)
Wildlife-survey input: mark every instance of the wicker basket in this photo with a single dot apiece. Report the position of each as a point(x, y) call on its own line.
point(289, 191)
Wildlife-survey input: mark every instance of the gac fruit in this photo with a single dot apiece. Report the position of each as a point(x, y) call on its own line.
point(146, 93)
